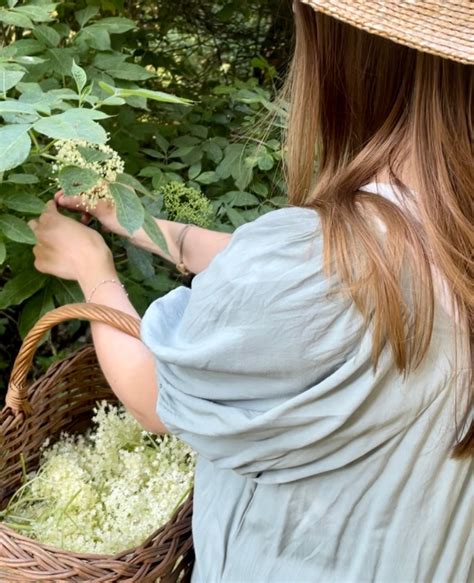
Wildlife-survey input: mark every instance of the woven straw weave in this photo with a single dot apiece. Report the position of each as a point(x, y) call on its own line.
point(63, 400)
point(440, 27)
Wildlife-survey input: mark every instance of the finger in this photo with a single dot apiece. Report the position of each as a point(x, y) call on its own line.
point(86, 218)
point(72, 203)
point(105, 229)
point(51, 207)
point(33, 224)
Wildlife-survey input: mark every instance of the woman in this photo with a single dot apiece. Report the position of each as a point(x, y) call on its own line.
point(320, 364)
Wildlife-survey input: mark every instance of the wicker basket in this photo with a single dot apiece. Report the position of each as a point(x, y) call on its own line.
point(62, 400)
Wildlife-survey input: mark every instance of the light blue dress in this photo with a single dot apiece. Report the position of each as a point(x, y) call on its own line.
point(312, 468)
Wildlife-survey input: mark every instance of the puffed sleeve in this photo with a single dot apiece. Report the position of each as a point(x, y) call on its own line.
point(263, 367)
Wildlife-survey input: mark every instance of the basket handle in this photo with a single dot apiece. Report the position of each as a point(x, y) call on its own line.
point(16, 397)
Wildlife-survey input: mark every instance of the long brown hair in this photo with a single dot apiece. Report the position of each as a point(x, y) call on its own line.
point(356, 100)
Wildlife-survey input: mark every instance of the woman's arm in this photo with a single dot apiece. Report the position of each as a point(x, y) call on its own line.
point(127, 364)
point(69, 250)
point(199, 248)
point(200, 245)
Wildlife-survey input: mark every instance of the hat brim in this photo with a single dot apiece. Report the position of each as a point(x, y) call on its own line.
point(440, 27)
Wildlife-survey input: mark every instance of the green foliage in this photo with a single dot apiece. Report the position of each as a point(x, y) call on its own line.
point(186, 204)
point(181, 89)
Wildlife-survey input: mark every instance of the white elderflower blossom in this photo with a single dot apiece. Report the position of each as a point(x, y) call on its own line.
point(105, 491)
point(99, 158)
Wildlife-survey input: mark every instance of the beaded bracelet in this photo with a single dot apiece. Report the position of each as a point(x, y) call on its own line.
point(102, 283)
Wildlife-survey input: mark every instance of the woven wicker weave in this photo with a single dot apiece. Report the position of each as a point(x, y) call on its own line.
point(440, 27)
point(62, 400)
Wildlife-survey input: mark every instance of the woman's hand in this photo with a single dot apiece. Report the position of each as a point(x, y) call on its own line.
point(66, 248)
point(104, 212)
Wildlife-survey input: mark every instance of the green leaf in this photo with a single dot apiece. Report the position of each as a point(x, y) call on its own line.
point(79, 75)
point(95, 37)
point(19, 107)
point(214, 152)
point(153, 231)
point(73, 124)
point(11, 18)
point(74, 180)
point(9, 79)
point(130, 72)
point(130, 211)
point(15, 145)
point(22, 203)
point(3, 252)
point(194, 170)
point(83, 16)
point(38, 305)
point(132, 182)
point(140, 262)
point(235, 218)
point(21, 287)
point(240, 198)
point(115, 24)
point(207, 178)
point(265, 162)
point(233, 157)
point(146, 93)
point(22, 178)
point(46, 35)
point(16, 230)
point(93, 155)
point(66, 292)
point(36, 13)
point(242, 175)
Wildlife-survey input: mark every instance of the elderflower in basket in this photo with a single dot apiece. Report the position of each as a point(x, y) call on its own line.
point(104, 491)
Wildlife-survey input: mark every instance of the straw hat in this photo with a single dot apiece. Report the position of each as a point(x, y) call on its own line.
point(439, 27)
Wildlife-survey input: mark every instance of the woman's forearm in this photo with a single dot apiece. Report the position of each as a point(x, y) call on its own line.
point(126, 362)
point(200, 245)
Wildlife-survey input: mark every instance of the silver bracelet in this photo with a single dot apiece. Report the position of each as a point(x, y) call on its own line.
point(102, 283)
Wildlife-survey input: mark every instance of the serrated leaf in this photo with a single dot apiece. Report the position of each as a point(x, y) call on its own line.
point(38, 305)
point(73, 124)
point(83, 16)
point(46, 35)
point(130, 211)
point(8, 79)
point(3, 252)
point(21, 287)
point(130, 72)
point(11, 18)
point(22, 203)
point(74, 180)
point(15, 145)
point(79, 75)
point(16, 230)
point(153, 231)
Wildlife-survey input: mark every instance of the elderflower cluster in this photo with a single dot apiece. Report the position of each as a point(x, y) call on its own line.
point(187, 205)
point(100, 158)
point(105, 491)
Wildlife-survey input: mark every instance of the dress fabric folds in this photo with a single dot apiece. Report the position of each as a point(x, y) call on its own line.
point(312, 467)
